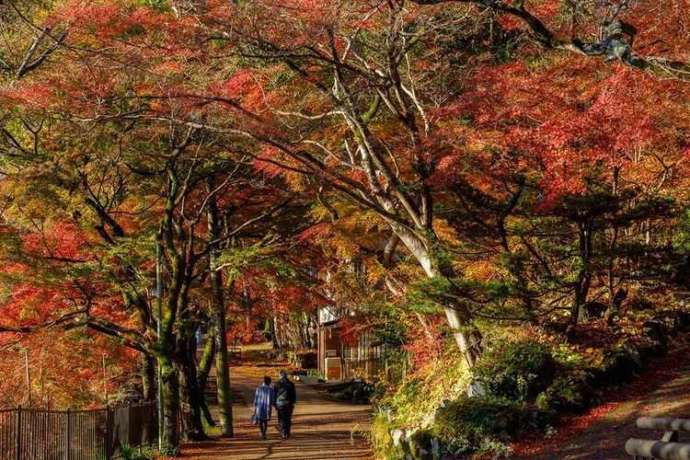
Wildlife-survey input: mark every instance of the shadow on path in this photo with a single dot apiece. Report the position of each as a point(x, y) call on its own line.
point(322, 429)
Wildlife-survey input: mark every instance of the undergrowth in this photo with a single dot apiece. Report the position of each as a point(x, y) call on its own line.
point(524, 381)
point(414, 403)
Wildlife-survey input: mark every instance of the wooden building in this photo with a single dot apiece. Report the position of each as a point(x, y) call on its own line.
point(343, 361)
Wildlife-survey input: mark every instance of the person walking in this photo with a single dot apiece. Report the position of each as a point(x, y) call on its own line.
point(285, 399)
point(264, 399)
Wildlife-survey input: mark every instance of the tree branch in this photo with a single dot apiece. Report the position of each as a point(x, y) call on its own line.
point(612, 46)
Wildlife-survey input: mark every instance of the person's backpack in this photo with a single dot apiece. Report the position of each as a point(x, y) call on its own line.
point(283, 397)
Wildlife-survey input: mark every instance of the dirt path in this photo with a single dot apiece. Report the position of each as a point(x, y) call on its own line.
point(322, 429)
point(602, 432)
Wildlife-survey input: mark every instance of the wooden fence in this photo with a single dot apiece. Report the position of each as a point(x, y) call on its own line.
point(100, 434)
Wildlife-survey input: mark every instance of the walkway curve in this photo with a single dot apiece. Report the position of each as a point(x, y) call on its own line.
point(601, 433)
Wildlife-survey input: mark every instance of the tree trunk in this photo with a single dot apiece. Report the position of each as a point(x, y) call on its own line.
point(615, 298)
point(615, 302)
point(191, 395)
point(207, 358)
point(467, 336)
point(205, 410)
point(148, 377)
point(277, 340)
point(205, 366)
point(578, 312)
point(223, 373)
point(270, 328)
point(459, 318)
point(171, 405)
point(219, 312)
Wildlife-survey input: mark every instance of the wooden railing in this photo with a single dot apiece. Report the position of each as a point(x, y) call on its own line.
point(668, 447)
point(32, 434)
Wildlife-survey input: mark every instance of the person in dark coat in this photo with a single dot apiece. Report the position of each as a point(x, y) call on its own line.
point(264, 399)
point(285, 399)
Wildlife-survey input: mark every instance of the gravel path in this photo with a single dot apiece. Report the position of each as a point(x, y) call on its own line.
point(322, 429)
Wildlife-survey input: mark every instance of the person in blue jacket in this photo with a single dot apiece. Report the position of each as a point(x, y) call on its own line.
point(264, 399)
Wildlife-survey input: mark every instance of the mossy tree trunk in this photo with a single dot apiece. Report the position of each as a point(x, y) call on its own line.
point(584, 276)
point(148, 377)
point(171, 404)
point(177, 324)
point(219, 321)
point(191, 394)
point(205, 365)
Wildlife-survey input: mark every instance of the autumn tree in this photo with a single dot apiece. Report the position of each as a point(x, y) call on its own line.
point(369, 134)
point(597, 155)
point(432, 153)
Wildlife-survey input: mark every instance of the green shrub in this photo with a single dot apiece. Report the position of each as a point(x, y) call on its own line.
point(619, 366)
point(516, 370)
point(135, 453)
point(570, 391)
point(568, 357)
point(481, 424)
point(381, 439)
point(419, 447)
point(411, 406)
point(353, 391)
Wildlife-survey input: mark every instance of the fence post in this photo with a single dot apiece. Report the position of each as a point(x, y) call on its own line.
point(153, 424)
point(140, 425)
point(108, 433)
point(68, 436)
point(18, 446)
point(46, 430)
